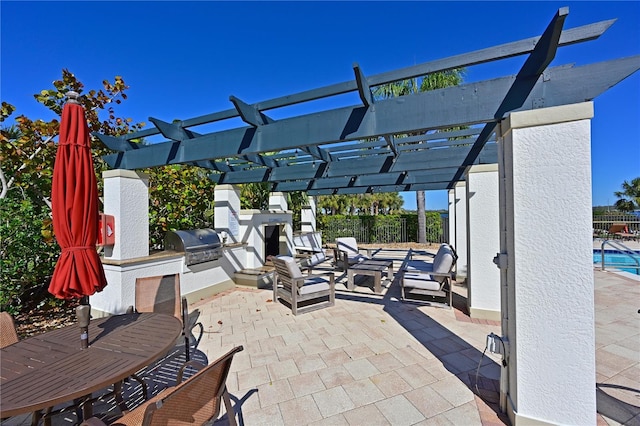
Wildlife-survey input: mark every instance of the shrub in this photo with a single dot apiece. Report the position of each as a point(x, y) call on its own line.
point(27, 255)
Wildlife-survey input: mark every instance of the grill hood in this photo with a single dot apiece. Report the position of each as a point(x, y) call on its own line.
point(199, 245)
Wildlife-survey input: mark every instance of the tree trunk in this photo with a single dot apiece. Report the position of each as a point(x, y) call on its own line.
point(422, 222)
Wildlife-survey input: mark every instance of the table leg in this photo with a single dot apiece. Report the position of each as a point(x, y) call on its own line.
point(377, 288)
point(350, 285)
point(87, 408)
point(117, 390)
point(36, 416)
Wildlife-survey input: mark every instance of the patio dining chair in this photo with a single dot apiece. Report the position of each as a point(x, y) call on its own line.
point(8, 334)
point(196, 400)
point(304, 293)
point(161, 294)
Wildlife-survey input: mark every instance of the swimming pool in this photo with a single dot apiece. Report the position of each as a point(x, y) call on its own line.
point(616, 260)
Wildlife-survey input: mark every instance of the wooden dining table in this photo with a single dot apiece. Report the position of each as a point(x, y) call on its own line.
point(43, 371)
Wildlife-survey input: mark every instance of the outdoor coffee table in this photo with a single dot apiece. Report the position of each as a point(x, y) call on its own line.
point(373, 268)
point(43, 371)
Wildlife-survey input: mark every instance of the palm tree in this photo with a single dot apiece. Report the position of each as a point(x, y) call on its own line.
point(438, 80)
point(629, 197)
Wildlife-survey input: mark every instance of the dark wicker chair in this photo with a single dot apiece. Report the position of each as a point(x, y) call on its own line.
point(194, 401)
point(8, 335)
point(161, 294)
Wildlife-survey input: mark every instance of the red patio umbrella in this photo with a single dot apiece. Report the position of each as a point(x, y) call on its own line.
point(74, 199)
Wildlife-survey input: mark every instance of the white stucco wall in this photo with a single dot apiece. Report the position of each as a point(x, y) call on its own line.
point(545, 156)
point(452, 216)
point(126, 197)
point(278, 201)
point(483, 227)
point(460, 244)
point(226, 211)
point(119, 294)
point(308, 215)
point(252, 223)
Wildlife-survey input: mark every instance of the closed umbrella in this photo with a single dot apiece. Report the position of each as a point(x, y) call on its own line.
point(74, 199)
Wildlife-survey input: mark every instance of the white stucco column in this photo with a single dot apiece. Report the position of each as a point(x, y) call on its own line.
point(545, 168)
point(452, 217)
point(227, 211)
point(483, 227)
point(460, 244)
point(278, 201)
point(308, 215)
point(126, 197)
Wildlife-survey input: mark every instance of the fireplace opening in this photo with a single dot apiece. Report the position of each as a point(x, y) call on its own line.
point(271, 240)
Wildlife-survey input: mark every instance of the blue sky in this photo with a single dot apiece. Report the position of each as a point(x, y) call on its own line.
point(184, 59)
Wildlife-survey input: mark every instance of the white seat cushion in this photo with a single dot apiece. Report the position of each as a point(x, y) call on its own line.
point(418, 281)
point(314, 285)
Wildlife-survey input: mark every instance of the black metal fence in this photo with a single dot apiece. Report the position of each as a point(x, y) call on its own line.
point(389, 232)
point(398, 231)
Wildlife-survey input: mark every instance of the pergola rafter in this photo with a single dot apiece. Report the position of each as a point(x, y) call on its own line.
point(397, 144)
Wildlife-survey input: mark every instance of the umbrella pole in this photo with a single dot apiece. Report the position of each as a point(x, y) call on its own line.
point(83, 312)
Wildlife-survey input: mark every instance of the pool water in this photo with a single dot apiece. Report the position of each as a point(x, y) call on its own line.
point(618, 260)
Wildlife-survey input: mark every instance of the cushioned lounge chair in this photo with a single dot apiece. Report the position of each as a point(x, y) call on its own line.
point(348, 253)
point(304, 293)
point(429, 279)
point(309, 250)
point(426, 265)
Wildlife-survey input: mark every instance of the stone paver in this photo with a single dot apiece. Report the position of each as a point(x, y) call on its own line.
point(399, 411)
point(372, 360)
point(333, 401)
point(367, 415)
point(300, 408)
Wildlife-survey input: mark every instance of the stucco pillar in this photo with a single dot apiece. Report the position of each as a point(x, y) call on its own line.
point(452, 217)
point(278, 201)
point(547, 266)
point(308, 215)
point(126, 197)
point(460, 244)
point(227, 211)
point(483, 227)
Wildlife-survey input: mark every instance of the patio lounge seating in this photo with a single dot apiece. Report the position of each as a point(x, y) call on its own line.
point(197, 400)
point(616, 230)
point(304, 293)
point(429, 279)
point(347, 252)
point(161, 294)
point(308, 246)
point(426, 266)
point(8, 335)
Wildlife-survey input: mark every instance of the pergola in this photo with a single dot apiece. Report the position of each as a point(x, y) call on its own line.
point(389, 145)
point(534, 124)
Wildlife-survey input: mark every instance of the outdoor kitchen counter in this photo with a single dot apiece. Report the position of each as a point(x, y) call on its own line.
point(48, 369)
point(159, 255)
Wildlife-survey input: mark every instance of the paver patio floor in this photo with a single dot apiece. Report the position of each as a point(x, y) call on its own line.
point(372, 359)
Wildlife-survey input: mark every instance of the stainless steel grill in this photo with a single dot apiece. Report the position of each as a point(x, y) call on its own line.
point(199, 245)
